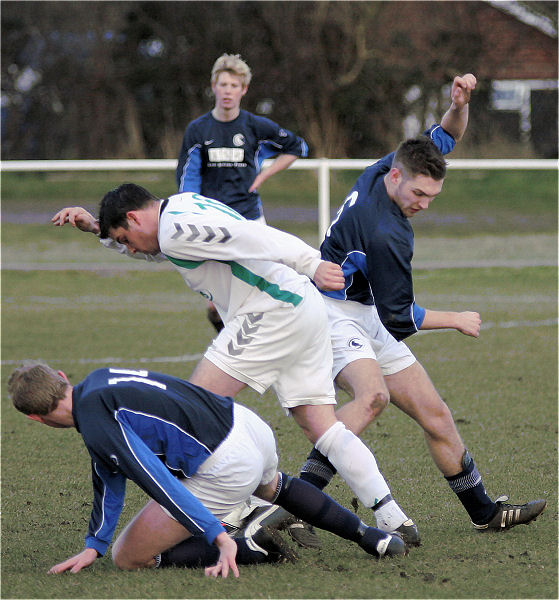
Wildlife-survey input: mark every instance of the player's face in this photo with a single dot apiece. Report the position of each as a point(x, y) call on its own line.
point(414, 194)
point(228, 90)
point(137, 238)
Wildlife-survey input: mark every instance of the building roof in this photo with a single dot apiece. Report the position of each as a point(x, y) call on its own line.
point(520, 12)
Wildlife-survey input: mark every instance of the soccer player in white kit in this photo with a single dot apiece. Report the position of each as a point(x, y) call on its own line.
point(276, 331)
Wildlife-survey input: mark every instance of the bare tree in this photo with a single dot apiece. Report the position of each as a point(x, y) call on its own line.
point(122, 79)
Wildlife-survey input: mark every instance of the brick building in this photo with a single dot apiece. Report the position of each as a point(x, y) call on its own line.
point(512, 51)
point(523, 69)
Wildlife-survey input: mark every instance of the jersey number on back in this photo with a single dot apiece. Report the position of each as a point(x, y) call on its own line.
point(348, 202)
point(131, 375)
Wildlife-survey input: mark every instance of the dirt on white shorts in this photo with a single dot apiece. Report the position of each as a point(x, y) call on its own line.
point(357, 332)
point(244, 460)
point(287, 348)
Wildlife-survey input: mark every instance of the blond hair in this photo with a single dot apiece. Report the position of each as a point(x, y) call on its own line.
point(35, 388)
point(234, 64)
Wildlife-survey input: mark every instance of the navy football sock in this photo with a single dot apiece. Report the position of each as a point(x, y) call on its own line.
point(195, 552)
point(469, 488)
point(306, 502)
point(317, 470)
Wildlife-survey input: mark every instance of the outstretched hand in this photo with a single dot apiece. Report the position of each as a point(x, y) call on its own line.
point(77, 217)
point(76, 563)
point(462, 88)
point(329, 276)
point(227, 552)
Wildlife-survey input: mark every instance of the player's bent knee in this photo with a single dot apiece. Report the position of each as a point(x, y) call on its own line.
point(373, 404)
point(126, 565)
point(118, 559)
point(379, 402)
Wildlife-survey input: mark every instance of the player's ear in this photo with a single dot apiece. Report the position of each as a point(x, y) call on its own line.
point(63, 375)
point(37, 418)
point(132, 217)
point(395, 176)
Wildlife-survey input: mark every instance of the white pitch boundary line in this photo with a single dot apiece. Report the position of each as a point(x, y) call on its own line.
point(195, 357)
point(110, 360)
point(511, 324)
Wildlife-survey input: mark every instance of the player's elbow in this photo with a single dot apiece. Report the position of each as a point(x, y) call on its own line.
point(458, 135)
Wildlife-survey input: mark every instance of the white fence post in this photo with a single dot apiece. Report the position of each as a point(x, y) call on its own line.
point(323, 198)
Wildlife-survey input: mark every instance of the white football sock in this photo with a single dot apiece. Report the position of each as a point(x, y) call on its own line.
point(390, 516)
point(355, 463)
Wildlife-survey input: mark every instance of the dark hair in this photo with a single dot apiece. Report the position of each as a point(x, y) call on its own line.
point(118, 202)
point(420, 156)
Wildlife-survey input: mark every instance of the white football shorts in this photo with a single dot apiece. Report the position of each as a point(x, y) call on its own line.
point(244, 460)
point(357, 332)
point(287, 348)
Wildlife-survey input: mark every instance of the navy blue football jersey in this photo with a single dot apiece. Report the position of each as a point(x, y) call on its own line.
point(147, 427)
point(220, 159)
point(373, 241)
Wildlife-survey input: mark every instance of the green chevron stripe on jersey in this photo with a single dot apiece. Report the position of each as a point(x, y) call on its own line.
point(247, 276)
point(271, 289)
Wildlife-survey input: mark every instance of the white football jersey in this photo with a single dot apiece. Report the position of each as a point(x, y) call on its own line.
point(242, 266)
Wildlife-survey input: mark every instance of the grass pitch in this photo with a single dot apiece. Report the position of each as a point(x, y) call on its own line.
point(502, 389)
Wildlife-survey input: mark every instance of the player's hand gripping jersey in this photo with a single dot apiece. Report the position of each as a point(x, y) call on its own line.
point(373, 242)
point(125, 418)
point(221, 159)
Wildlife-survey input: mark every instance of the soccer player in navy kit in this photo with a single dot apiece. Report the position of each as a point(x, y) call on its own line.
point(152, 428)
point(372, 239)
point(222, 151)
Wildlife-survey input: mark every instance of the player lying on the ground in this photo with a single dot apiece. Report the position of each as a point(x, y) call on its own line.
point(276, 330)
point(372, 239)
point(144, 426)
